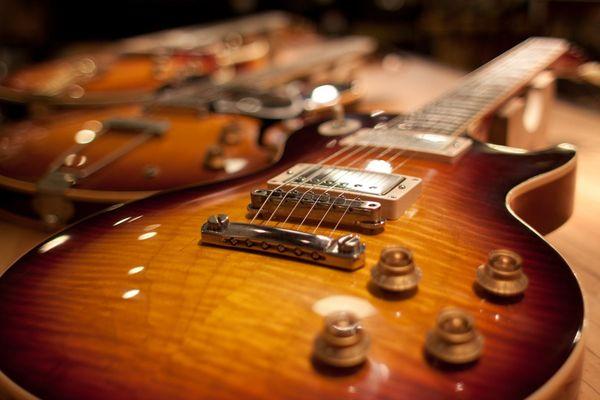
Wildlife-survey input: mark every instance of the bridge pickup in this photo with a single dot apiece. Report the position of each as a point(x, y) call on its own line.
point(346, 252)
point(324, 209)
point(395, 193)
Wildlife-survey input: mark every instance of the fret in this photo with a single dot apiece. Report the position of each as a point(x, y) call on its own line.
point(440, 127)
point(485, 87)
point(448, 111)
point(439, 118)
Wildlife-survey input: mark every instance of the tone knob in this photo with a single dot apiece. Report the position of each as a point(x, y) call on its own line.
point(343, 342)
point(396, 270)
point(454, 339)
point(502, 274)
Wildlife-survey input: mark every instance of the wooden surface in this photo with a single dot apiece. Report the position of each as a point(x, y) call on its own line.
point(406, 87)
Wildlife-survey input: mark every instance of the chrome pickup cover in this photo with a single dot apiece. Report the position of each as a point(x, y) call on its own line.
point(394, 192)
point(430, 145)
point(324, 209)
point(346, 252)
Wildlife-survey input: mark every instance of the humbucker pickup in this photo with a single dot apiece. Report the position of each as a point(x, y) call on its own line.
point(323, 209)
point(395, 193)
point(346, 252)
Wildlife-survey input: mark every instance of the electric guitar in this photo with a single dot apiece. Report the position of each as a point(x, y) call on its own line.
point(68, 164)
point(134, 68)
point(381, 257)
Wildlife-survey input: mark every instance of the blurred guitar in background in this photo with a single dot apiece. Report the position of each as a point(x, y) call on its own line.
point(132, 69)
point(261, 287)
point(72, 163)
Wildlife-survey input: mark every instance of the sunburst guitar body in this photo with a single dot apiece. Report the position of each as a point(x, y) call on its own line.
point(143, 302)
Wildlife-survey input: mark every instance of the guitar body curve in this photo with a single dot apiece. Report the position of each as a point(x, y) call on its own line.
point(30, 149)
point(127, 302)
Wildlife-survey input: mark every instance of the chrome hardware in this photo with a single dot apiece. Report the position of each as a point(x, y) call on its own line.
point(430, 145)
point(346, 252)
point(367, 186)
point(396, 270)
point(259, 103)
point(503, 275)
point(343, 342)
point(56, 211)
point(214, 158)
point(364, 216)
point(454, 339)
point(339, 125)
point(56, 180)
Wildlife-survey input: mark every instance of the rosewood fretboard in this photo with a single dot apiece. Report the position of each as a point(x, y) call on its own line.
point(485, 88)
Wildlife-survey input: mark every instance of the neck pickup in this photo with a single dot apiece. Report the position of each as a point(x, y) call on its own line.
point(426, 145)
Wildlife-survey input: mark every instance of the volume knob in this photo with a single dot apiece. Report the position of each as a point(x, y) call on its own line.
point(396, 270)
point(454, 339)
point(502, 274)
point(343, 342)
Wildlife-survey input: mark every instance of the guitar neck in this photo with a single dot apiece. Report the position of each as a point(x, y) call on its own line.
point(486, 88)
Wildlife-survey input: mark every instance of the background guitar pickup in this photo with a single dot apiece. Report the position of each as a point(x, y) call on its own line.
point(324, 209)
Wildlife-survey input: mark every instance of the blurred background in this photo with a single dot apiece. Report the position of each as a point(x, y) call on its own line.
point(460, 33)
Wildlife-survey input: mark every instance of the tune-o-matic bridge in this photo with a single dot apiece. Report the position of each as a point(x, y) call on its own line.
point(346, 252)
point(395, 193)
point(323, 209)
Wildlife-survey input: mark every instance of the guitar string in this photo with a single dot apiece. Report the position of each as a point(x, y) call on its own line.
point(387, 125)
point(345, 192)
point(274, 190)
point(392, 171)
point(319, 165)
point(450, 140)
point(310, 189)
point(295, 187)
point(333, 185)
point(390, 123)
